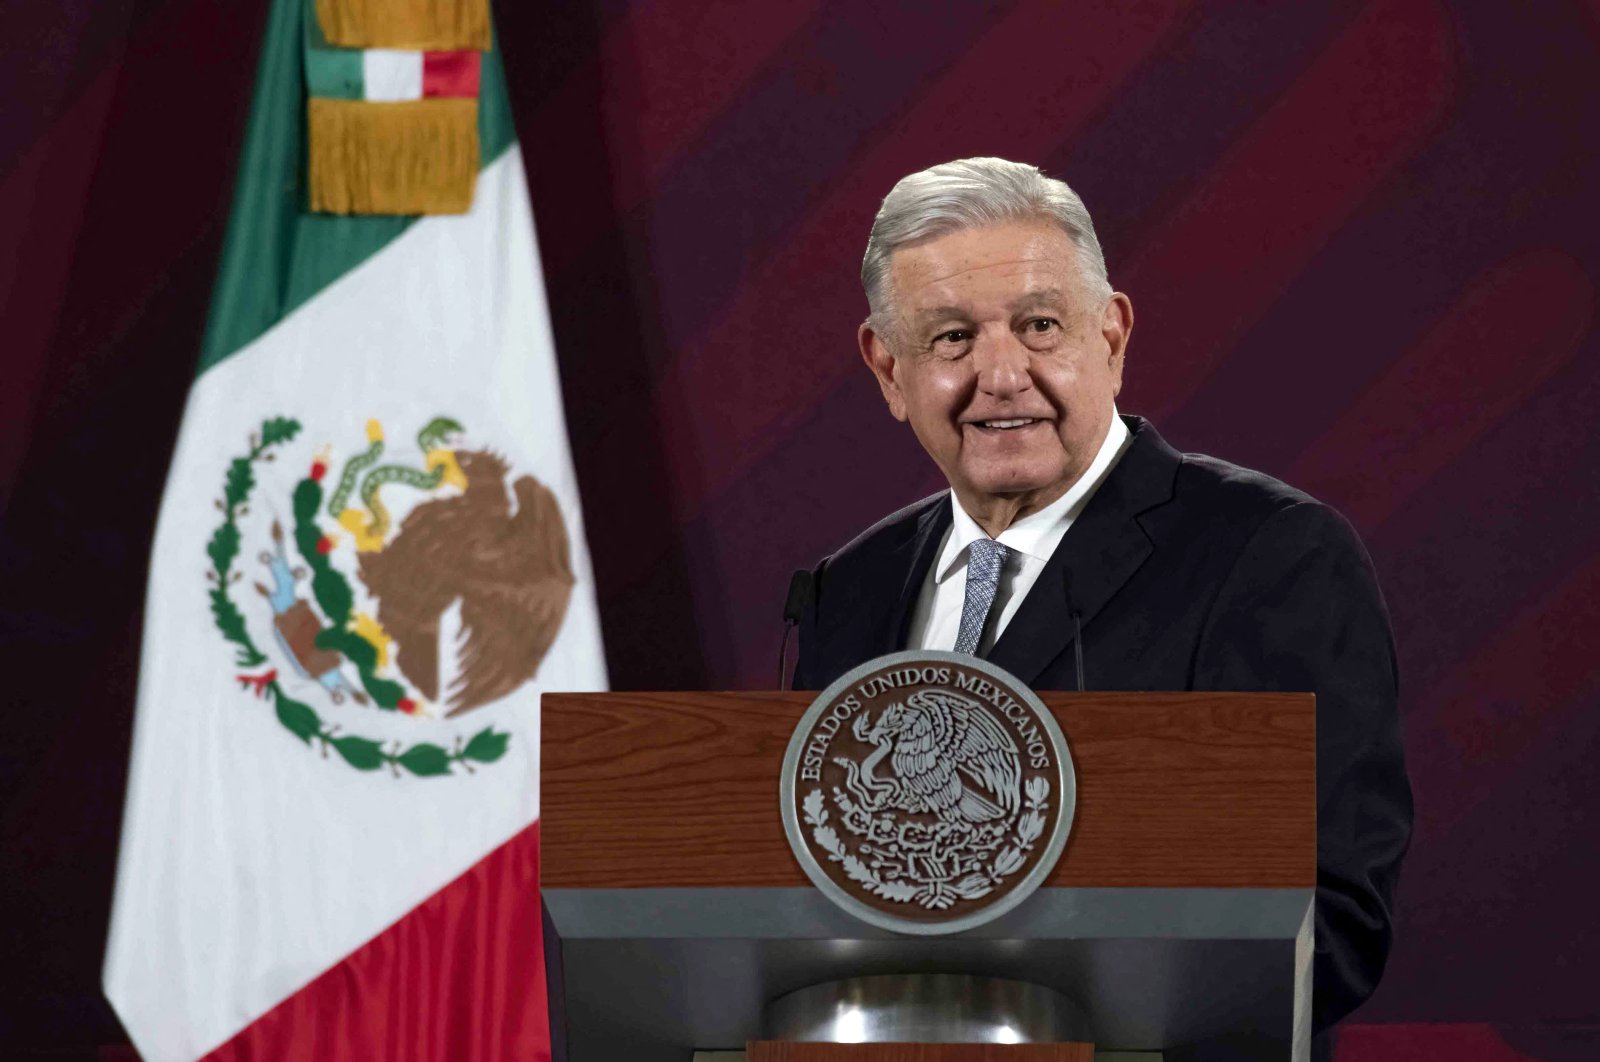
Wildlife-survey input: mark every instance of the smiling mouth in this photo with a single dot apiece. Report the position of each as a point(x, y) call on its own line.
point(1008, 424)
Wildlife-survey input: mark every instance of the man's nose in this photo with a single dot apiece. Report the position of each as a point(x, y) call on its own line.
point(1002, 365)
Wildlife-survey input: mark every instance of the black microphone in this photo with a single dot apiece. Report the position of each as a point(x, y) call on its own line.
point(1077, 644)
point(1077, 626)
point(800, 590)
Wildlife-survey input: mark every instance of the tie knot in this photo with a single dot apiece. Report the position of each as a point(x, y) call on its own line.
point(986, 556)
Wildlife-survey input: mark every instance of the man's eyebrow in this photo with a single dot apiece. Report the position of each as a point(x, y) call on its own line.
point(940, 313)
point(928, 316)
point(1035, 297)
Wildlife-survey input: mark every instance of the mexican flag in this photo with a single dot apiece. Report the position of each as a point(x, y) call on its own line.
point(369, 562)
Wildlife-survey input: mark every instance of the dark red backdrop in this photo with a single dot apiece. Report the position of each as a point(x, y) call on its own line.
point(1361, 241)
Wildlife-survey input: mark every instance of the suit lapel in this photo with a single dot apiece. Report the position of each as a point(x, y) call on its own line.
point(914, 558)
point(1099, 553)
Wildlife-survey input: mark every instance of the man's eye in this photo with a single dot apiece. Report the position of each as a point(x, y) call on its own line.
point(951, 344)
point(1041, 325)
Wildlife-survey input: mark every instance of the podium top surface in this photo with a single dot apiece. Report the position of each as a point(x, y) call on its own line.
point(1175, 790)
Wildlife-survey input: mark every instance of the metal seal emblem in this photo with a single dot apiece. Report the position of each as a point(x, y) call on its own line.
point(927, 792)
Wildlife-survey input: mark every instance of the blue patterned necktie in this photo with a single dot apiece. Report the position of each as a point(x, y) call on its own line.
point(985, 557)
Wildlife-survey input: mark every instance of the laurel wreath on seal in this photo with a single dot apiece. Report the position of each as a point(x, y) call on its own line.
point(423, 759)
point(939, 894)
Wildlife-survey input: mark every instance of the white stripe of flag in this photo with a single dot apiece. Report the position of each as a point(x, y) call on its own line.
point(390, 75)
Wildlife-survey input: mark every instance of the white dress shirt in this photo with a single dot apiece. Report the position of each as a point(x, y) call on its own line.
point(937, 618)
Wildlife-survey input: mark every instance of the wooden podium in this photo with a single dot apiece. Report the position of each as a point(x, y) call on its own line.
point(1178, 918)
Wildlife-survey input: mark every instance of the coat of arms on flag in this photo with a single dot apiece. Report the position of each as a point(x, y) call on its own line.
point(369, 563)
point(413, 588)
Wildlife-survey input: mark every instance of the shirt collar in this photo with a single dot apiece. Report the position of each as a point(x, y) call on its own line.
point(1037, 534)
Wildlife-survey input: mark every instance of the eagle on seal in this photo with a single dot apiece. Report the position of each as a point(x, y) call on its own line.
point(950, 756)
point(509, 569)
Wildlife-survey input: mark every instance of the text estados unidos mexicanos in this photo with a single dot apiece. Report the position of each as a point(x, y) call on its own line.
point(841, 710)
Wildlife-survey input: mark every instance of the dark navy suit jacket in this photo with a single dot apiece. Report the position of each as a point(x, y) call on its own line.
point(1189, 574)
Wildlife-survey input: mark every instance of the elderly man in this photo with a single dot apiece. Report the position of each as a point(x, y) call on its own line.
point(995, 333)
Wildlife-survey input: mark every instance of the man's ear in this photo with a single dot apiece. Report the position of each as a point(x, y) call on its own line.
point(875, 352)
point(1116, 325)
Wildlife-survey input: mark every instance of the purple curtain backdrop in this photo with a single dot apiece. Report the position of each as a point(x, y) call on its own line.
point(1361, 243)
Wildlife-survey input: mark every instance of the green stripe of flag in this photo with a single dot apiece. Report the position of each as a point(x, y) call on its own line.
point(331, 72)
point(276, 255)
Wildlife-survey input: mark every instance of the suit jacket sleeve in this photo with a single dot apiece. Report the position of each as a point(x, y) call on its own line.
point(1301, 610)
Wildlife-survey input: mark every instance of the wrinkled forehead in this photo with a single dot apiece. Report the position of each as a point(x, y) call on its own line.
point(996, 268)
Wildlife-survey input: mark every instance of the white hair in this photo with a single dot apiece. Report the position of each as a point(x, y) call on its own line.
point(970, 193)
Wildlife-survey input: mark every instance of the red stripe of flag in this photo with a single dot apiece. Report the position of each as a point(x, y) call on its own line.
point(460, 977)
point(450, 74)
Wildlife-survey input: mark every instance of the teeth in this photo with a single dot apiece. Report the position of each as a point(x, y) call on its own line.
point(1007, 423)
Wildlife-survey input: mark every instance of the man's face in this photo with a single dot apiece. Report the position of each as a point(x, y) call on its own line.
point(1003, 362)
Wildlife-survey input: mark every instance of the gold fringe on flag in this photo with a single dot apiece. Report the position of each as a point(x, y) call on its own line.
point(415, 25)
point(409, 157)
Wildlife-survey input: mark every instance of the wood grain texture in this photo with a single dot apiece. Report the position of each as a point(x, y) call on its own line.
point(784, 1051)
point(680, 790)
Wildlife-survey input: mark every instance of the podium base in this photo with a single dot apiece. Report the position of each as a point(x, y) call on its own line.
point(788, 1051)
point(925, 1008)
